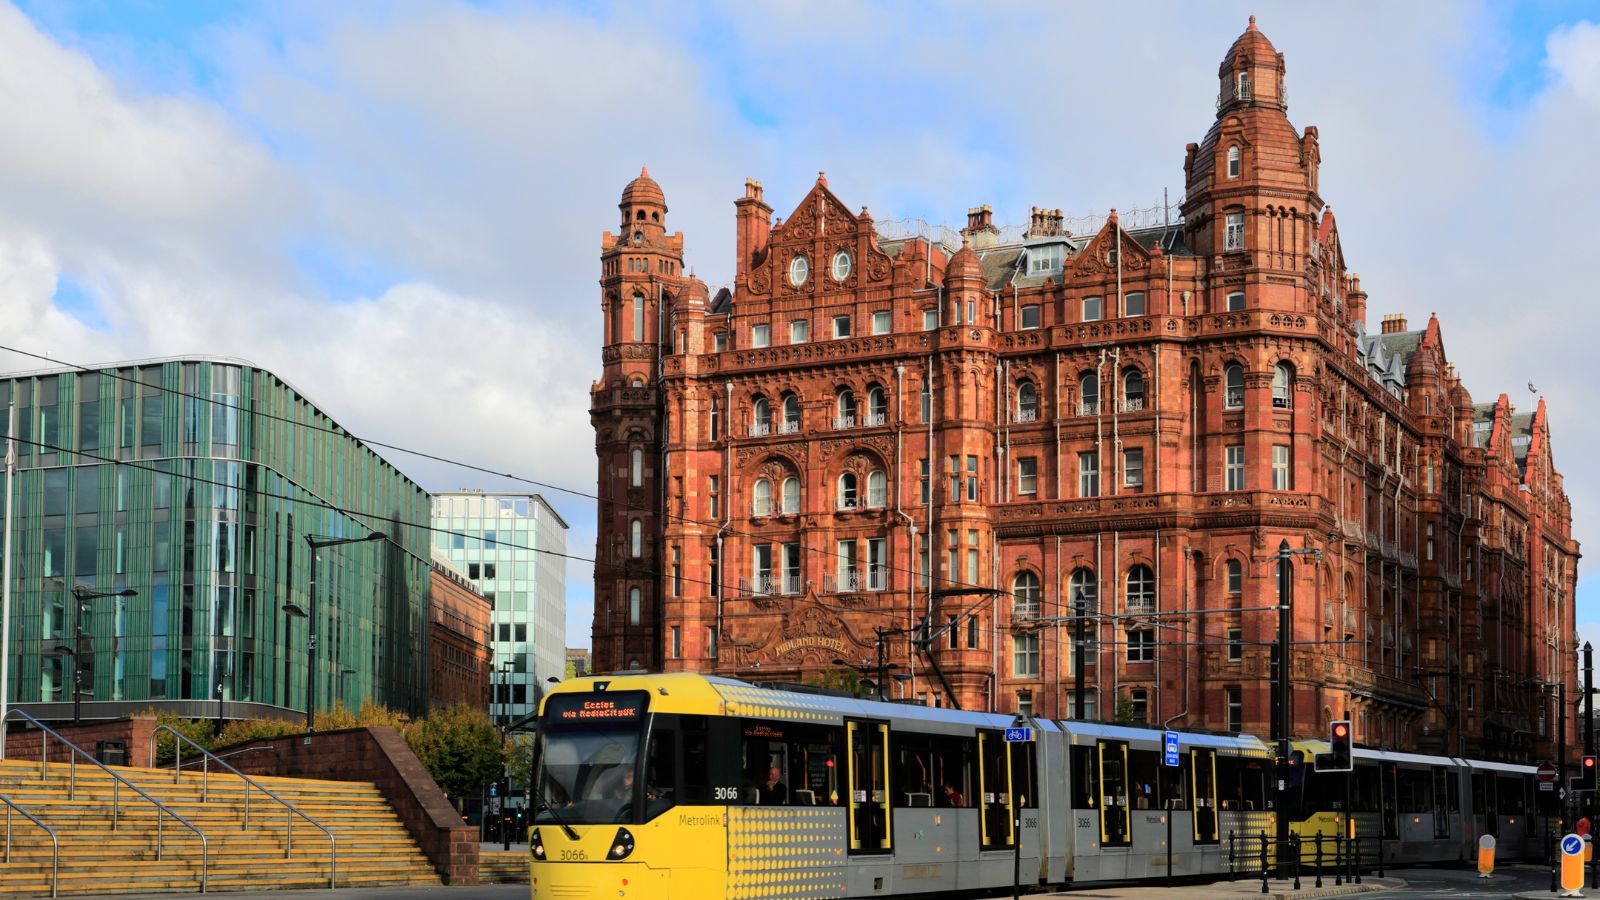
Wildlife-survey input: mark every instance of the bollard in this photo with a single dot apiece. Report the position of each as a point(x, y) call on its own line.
point(1319, 858)
point(1338, 859)
point(1355, 855)
point(1486, 856)
point(1263, 862)
point(1233, 873)
point(1294, 840)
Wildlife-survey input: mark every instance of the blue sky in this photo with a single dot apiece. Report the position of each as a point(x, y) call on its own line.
point(412, 194)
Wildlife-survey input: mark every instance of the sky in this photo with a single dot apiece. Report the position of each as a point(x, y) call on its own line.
point(398, 206)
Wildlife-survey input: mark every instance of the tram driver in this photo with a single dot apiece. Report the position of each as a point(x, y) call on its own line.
point(773, 792)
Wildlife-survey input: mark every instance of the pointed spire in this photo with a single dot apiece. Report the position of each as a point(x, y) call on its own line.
point(1252, 23)
point(644, 171)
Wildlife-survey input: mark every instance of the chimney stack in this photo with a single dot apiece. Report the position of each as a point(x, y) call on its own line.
point(754, 227)
point(1394, 323)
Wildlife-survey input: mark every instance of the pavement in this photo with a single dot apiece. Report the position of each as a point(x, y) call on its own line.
point(1243, 889)
point(499, 847)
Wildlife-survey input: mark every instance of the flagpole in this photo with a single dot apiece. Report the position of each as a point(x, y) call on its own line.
point(5, 573)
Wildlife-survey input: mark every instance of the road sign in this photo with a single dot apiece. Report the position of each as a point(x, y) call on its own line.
point(1547, 773)
point(494, 789)
point(1018, 735)
point(1572, 866)
point(1549, 786)
point(1172, 748)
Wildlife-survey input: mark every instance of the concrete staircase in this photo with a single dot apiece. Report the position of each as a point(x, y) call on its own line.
point(501, 867)
point(374, 847)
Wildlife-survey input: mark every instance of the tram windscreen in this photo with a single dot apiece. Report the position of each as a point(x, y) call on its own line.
point(589, 748)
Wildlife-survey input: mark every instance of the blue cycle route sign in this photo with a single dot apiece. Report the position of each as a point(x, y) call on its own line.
point(1171, 743)
point(1572, 845)
point(1018, 735)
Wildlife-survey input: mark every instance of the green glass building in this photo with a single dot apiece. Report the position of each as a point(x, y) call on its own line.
point(195, 482)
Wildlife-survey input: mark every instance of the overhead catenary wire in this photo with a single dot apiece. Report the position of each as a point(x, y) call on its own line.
point(109, 372)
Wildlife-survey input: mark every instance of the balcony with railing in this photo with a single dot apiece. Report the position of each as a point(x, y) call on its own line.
point(760, 429)
point(872, 420)
point(1089, 408)
point(789, 427)
point(757, 586)
point(1023, 416)
point(1282, 401)
point(1234, 398)
point(842, 423)
point(1133, 404)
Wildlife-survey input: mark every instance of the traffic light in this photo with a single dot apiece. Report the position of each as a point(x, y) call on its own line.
point(1586, 774)
point(1338, 758)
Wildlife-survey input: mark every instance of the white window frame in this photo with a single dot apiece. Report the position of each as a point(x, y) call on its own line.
point(1097, 304)
point(1088, 474)
point(1025, 656)
point(760, 336)
point(1028, 475)
point(1233, 235)
point(841, 265)
point(1133, 467)
point(1233, 467)
point(1281, 480)
point(1032, 317)
point(1233, 161)
point(930, 319)
point(841, 327)
point(1128, 304)
point(882, 321)
point(1234, 302)
point(799, 331)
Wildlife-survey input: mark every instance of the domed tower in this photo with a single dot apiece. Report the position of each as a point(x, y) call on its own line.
point(641, 274)
point(1252, 201)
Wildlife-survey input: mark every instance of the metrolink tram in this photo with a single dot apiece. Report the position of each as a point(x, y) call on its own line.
point(655, 786)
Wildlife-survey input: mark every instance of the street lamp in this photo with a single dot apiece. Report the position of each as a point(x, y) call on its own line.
point(84, 597)
point(317, 543)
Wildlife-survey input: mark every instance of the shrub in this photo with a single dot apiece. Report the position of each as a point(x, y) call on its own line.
point(201, 731)
point(241, 731)
point(460, 747)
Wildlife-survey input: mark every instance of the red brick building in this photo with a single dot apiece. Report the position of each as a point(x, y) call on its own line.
point(459, 659)
point(1140, 411)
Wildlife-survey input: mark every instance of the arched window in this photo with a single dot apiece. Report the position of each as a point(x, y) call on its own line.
point(761, 504)
point(636, 538)
point(1235, 577)
point(1233, 161)
point(1141, 591)
point(636, 382)
point(760, 417)
point(1027, 402)
point(791, 495)
point(1244, 86)
point(1132, 390)
point(877, 489)
point(791, 414)
point(847, 491)
point(877, 405)
point(636, 468)
point(1025, 596)
point(1082, 588)
point(1233, 386)
point(634, 614)
point(1283, 386)
point(1089, 394)
point(844, 415)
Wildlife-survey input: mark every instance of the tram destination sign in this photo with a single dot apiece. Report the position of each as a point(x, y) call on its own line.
point(623, 708)
point(1170, 745)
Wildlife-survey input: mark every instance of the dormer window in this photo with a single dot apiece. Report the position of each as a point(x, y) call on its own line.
point(1233, 162)
point(1242, 90)
point(1045, 260)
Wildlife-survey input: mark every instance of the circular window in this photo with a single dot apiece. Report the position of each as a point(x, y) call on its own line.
point(799, 270)
point(841, 265)
point(638, 237)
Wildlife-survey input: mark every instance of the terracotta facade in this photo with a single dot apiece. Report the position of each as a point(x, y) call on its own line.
point(1142, 411)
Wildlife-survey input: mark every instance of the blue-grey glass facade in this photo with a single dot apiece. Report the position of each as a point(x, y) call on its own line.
point(194, 482)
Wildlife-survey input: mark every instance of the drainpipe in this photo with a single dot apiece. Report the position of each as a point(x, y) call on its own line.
point(1188, 568)
point(911, 526)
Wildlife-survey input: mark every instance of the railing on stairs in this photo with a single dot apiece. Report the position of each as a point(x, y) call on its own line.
point(116, 791)
point(289, 809)
point(55, 853)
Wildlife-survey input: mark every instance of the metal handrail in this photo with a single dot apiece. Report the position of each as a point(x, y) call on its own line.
point(116, 792)
point(259, 748)
point(55, 855)
point(289, 809)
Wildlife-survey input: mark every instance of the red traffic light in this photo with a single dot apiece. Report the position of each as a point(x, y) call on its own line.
point(1340, 730)
point(1588, 762)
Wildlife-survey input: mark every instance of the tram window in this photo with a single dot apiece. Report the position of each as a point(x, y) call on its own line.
point(694, 784)
point(1143, 772)
point(1024, 776)
point(1415, 788)
point(661, 768)
point(1453, 791)
point(1085, 778)
point(1511, 797)
point(1480, 802)
point(1241, 782)
point(924, 764)
point(1365, 797)
point(804, 758)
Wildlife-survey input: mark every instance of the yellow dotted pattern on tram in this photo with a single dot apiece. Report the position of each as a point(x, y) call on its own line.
point(785, 854)
point(761, 703)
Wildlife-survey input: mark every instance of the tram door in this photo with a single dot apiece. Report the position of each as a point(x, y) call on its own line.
point(996, 825)
point(1485, 803)
point(1203, 784)
point(869, 810)
point(1441, 803)
point(1388, 800)
point(1113, 794)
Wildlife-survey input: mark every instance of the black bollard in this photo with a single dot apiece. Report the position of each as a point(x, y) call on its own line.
point(1233, 872)
point(1319, 858)
point(1338, 859)
point(1355, 856)
point(1263, 862)
point(1295, 844)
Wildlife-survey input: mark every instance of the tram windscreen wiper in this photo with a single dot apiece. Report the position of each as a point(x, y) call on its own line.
point(565, 828)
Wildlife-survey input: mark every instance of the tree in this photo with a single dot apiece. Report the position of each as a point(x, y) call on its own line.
point(519, 758)
point(1124, 713)
point(840, 679)
point(460, 747)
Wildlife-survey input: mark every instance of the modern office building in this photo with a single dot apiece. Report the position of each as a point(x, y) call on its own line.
point(195, 482)
point(511, 547)
point(882, 429)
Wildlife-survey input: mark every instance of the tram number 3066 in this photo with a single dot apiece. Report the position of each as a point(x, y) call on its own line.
point(727, 793)
point(573, 855)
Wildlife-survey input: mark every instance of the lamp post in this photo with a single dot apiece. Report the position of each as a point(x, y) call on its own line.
point(84, 597)
point(317, 543)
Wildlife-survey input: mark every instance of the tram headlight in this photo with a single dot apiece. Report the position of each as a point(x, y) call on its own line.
point(621, 845)
point(536, 845)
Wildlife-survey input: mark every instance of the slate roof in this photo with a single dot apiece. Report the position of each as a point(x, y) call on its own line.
point(1387, 355)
